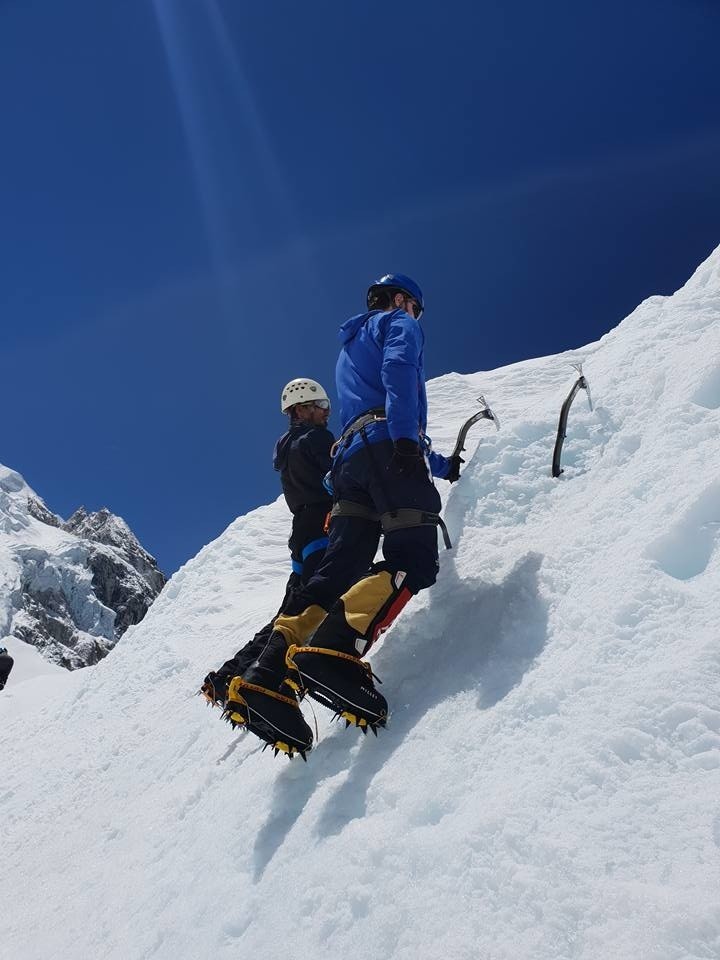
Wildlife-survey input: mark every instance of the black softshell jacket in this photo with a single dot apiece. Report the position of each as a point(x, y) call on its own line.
point(302, 457)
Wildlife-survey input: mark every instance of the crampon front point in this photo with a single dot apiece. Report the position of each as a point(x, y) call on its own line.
point(210, 692)
point(272, 717)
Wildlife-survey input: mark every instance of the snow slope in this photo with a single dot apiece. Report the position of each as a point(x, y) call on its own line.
point(548, 785)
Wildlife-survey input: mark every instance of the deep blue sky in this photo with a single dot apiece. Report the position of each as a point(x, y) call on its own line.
point(194, 194)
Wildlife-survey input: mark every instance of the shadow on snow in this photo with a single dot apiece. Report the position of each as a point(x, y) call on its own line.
point(472, 636)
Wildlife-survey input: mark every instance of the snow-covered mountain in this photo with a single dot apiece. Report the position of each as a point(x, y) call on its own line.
point(69, 588)
point(547, 788)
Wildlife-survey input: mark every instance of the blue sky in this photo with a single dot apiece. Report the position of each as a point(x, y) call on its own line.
point(196, 193)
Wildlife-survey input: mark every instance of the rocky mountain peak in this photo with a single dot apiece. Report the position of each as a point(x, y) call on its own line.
point(37, 508)
point(71, 588)
point(103, 526)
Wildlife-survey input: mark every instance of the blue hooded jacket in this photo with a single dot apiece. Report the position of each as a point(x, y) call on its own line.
point(381, 366)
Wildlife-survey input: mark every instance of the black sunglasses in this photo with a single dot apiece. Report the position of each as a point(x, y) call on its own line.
point(417, 310)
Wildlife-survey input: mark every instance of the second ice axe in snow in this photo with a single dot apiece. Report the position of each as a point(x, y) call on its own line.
point(580, 384)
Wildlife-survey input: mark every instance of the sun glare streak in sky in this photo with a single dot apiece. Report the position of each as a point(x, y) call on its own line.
point(189, 106)
point(219, 175)
point(194, 102)
point(290, 232)
point(250, 115)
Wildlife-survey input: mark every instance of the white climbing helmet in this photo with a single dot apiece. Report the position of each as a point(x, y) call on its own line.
point(301, 391)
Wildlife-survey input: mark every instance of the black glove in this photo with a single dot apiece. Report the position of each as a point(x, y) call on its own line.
point(453, 473)
point(407, 456)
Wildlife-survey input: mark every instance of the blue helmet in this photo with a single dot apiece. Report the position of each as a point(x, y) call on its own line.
point(400, 282)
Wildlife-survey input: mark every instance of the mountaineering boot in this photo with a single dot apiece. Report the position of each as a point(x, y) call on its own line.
point(330, 670)
point(341, 682)
point(215, 684)
point(260, 701)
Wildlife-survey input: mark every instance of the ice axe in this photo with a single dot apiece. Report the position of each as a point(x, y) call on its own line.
point(580, 384)
point(485, 413)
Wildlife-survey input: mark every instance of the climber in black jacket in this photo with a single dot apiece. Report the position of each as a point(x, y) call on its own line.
point(302, 458)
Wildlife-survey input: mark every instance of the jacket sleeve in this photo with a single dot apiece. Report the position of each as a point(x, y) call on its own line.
point(439, 465)
point(402, 349)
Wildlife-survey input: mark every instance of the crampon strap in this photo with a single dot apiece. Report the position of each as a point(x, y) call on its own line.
point(244, 685)
point(293, 649)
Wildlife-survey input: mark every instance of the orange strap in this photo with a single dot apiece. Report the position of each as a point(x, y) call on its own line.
point(293, 649)
point(268, 693)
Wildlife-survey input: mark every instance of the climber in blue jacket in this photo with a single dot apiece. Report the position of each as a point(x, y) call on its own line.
point(381, 367)
point(381, 478)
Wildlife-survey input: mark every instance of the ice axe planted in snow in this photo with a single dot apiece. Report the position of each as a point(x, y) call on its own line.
point(485, 413)
point(580, 384)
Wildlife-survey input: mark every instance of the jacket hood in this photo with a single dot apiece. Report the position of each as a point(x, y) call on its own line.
point(351, 326)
